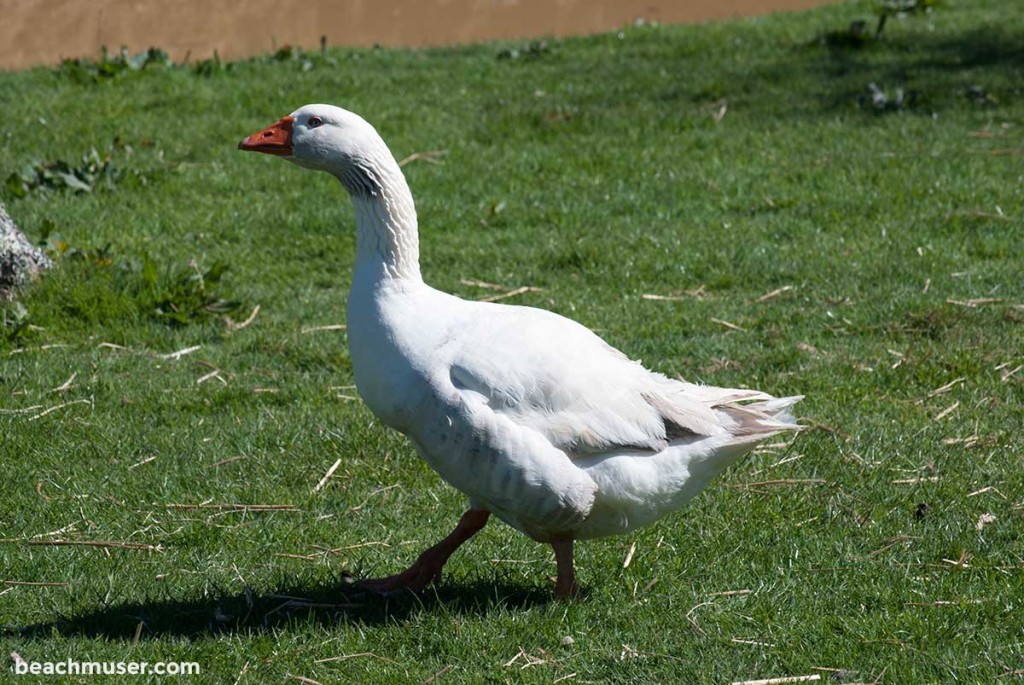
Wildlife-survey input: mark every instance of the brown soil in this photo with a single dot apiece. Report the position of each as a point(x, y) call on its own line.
point(34, 32)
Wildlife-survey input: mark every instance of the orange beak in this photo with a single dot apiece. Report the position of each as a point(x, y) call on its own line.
point(275, 139)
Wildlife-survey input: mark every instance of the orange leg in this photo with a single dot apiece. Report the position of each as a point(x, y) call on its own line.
point(427, 568)
point(565, 585)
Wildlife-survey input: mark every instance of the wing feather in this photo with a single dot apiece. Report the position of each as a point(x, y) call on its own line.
point(555, 376)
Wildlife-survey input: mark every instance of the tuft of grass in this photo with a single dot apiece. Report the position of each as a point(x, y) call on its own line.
point(721, 201)
point(95, 291)
point(84, 71)
point(94, 171)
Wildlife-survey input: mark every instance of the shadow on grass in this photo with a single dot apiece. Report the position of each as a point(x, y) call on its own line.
point(814, 77)
point(247, 613)
point(979, 67)
point(908, 69)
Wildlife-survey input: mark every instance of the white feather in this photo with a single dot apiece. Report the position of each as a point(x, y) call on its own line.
point(530, 414)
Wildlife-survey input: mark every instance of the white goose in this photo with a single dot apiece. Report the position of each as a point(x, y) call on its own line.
point(531, 415)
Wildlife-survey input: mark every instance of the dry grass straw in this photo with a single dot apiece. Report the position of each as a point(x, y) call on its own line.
point(103, 544)
point(677, 296)
point(360, 655)
point(429, 156)
point(892, 542)
point(224, 462)
point(438, 674)
point(775, 293)
point(780, 681)
point(511, 293)
point(49, 411)
point(304, 679)
point(232, 326)
point(756, 643)
point(730, 326)
point(629, 555)
point(234, 507)
point(328, 327)
point(63, 387)
point(327, 476)
point(778, 482)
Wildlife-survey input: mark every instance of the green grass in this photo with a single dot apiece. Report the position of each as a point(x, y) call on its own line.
point(596, 170)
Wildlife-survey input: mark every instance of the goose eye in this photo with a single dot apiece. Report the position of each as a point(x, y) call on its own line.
point(314, 122)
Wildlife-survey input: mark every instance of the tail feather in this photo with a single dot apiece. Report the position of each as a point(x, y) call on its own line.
point(747, 415)
point(779, 408)
point(761, 417)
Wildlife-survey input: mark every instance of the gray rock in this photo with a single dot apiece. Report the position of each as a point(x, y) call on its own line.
point(20, 261)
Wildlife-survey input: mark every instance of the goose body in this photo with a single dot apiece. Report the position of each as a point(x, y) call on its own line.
point(531, 415)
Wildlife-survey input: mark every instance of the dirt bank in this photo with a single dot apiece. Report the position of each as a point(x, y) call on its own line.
point(34, 32)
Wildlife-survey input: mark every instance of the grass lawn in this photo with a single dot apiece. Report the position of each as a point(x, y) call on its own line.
point(803, 234)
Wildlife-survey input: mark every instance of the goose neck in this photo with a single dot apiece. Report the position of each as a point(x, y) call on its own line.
point(387, 242)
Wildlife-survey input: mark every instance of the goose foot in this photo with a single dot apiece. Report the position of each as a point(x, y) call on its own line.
point(427, 567)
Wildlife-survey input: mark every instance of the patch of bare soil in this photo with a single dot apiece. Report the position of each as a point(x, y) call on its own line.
point(34, 32)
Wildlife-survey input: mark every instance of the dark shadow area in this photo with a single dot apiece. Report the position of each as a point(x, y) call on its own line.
point(828, 72)
point(834, 70)
point(247, 613)
point(975, 68)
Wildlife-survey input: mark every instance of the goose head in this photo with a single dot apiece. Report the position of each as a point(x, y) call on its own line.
point(332, 139)
point(327, 138)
